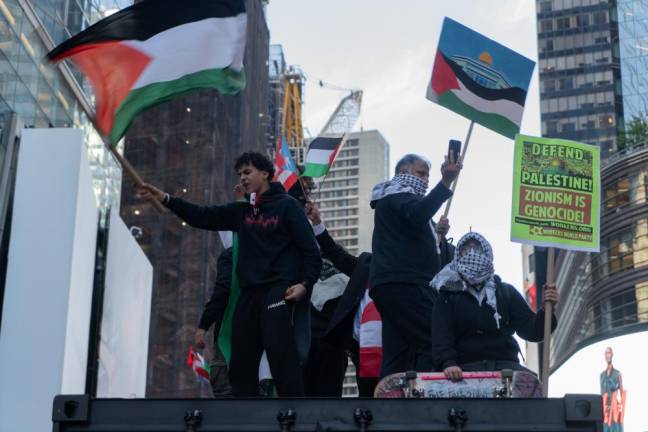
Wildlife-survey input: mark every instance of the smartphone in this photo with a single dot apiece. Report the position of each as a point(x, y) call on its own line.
point(454, 147)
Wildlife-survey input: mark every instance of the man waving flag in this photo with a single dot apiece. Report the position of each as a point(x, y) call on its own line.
point(155, 50)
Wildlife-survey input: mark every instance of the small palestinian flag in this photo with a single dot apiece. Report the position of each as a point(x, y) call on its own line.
point(480, 79)
point(322, 152)
point(199, 365)
point(155, 50)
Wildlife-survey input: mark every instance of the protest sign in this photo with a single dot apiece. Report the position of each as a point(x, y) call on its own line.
point(556, 194)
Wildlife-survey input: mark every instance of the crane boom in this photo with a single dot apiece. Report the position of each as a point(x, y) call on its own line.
point(344, 117)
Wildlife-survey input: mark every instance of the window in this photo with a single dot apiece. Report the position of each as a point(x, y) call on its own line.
point(600, 17)
point(566, 83)
point(549, 85)
point(545, 6)
point(563, 23)
point(582, 20)
point(621, 193)
point(619, 248)
point(546, 25)
point(569, 127)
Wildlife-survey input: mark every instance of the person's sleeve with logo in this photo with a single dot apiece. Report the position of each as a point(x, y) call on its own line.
point(216, 218)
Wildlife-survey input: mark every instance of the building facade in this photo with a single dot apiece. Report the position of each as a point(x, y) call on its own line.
point(44, 95)
point(580, 77)
point(593, 69)
point(344, 196)
point(187, 147)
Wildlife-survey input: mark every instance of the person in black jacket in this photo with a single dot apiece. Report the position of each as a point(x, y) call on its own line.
point(476, 314)
point(338, 315)
point(405, 259)
point(278, 263)
point(213, 315)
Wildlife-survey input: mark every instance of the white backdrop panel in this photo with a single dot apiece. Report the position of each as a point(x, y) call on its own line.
point(48, 291)
point(126, 316)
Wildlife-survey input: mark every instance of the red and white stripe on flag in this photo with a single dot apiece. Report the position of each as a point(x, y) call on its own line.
point(285, 168)
point(198, 364)
point(370, 338)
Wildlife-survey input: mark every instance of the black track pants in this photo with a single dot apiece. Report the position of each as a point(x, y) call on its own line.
point(406, 312)
point(264, 321)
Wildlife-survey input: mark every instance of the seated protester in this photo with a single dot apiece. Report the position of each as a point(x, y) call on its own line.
point(278, 263)
point(476, 314)
point(340, 324)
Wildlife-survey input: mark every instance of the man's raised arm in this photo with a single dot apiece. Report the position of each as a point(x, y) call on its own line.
point(341, 259)
point(217, 218)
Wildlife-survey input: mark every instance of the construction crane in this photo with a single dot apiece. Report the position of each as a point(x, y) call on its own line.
point(345, 116)
point(291, 123)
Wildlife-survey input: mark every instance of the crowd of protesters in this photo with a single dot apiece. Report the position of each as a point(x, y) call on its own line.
point(415, 303)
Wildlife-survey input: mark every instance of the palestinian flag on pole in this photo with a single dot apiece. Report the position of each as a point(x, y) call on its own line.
point(155, 50)
point(480, 79)
point(321, 154)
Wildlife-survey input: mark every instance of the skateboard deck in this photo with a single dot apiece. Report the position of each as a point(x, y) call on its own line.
point(504, 384)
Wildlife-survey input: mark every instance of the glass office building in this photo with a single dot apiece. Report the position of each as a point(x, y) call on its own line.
point(53, 96)
point(593, 57)
point(633, 48)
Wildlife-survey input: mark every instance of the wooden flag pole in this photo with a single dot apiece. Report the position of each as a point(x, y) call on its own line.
point(128, 169)
point(126, 166)
point(546, 341)
point(461, 159)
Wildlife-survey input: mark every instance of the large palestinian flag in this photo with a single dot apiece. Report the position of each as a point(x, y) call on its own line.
point(480, 79)
point(156, 50)
point(321, 154)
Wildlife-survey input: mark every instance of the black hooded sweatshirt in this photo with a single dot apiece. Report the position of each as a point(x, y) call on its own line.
point(276, 242)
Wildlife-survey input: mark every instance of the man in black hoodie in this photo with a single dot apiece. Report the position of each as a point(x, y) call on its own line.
point(278, 263)
point(405, 259)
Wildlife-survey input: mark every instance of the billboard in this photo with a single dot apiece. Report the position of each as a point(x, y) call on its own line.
point(588, 370)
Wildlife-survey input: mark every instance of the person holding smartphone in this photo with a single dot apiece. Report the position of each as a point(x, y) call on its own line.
point(406, 257)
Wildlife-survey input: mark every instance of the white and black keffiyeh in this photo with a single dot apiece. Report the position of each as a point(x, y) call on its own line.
point(400, 183)
point(472, 272)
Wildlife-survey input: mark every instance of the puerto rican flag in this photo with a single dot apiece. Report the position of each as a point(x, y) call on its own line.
point(286, 171)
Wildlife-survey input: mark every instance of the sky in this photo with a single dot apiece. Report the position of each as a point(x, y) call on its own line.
point(387, 49)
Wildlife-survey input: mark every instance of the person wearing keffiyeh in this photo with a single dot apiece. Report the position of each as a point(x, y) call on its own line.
point(476, 314)
point(405, 258)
